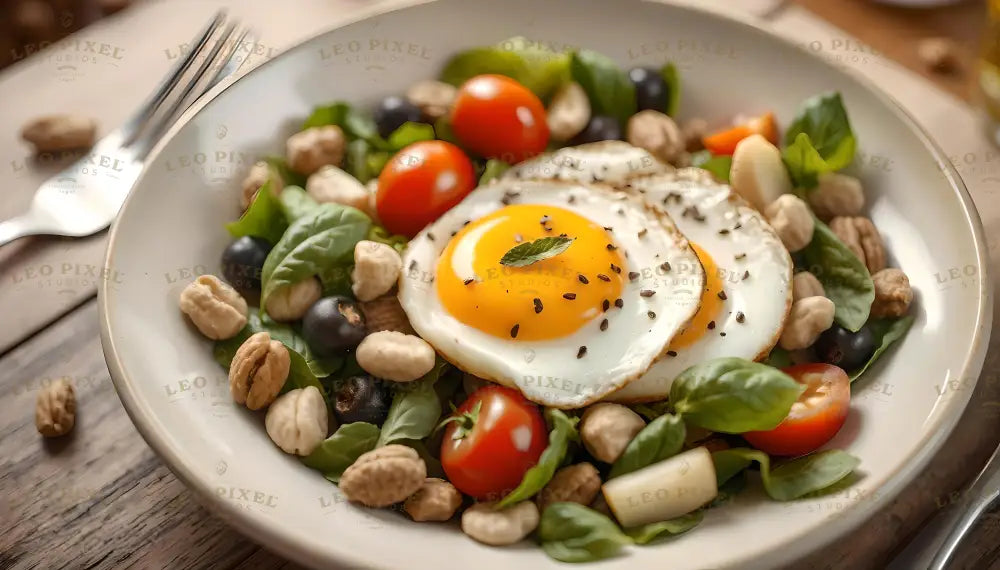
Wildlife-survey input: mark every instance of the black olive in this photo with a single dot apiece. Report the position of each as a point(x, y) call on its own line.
point(242, 262)
point(333, 325)
point(600, 128)
point(361, 399)
point(846, 349)
point(392, 112)
point(651, 91)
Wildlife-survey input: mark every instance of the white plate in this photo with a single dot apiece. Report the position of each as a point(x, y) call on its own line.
point(171, 229)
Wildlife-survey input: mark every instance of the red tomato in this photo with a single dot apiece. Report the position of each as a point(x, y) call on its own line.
point(815, 418)
point(497, 117)
point(498, 435)
point(724, 142)
point(421, 182)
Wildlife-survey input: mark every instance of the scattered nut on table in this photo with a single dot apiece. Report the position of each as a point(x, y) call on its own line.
point(214, 307)
point(260, 173)
point(500, 527)
point(892, 293)
point(386, 314)
point(805, 284)
point(376, 269)
point(433, 98)
point(436, 500)
point(332, 185)
point(808, 318)
point(290, 302)
point(939, 54)
point(606, 429)
point(54, 133)
point(657, 133)
point(836, 195)
point(297, 421)
point(578, 483)
point(258, 371)
point(693, 131)
point(792, 221)
point(860, 236)
point(384, 476)
point(569, 112)
point(55, 408)
point(395, 356)
point(315, 147)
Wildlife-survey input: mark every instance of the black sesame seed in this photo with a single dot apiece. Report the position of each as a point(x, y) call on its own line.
point(738, 226)
point(621, 212)
point(609, 229)
point(611, 247)
point(604, 324)
point(469, 280)
point(606, 305)
point(583, 279)
point(651, 314)
point(740, 256)
point(547, 228)
point(563, 235)
point(633, 275)
point(413, 264)
point(711, 325)
point(740, 317)
point(603, 277)
point(615, 268)
point(746, 274)
point(647, 293)
point(722, 334)
point(665, 266)
point(453, 234)
point(581, 352)
point(538, 305)
point(619, 303)
point(430, 236)
point(643, 232)
point(723, 296)
point(466, 222)
point(513, 331)
point(545, 219)
point(571, 199)
point(569, 296)
point(723, 232)
point(671, 353)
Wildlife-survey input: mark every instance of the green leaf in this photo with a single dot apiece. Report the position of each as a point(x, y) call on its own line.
point(263, 219)
point(844, 277)
point(540, 70)
point(646, 533)
point(415, 408)
point(376, 161)
point(804, 163)
point(312, 245)
point(673, 81)
point(342, 449)
point(300, 375)
point(571, 532)
point(493, 170)
point(224, 350)
point(733, 395)
point(778, 358)
point(279, 166)
point(728, 490)
point(433, 464)
point(443, 131)
point(608, 88)
point(719, 165)
point(382, 235)
point(792, 479)
point(660, 439)
point(355, 124)
point(886, 332)
point(652, 410)
point(729, 463)
point(529, 252)
point(336, 280)
point(409, 133)
point(823, 119)
point(356, 161)
point(563, 431)
point(295, 203)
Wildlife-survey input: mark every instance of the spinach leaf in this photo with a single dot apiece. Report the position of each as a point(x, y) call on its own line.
point(733, 395)
point(382, 235)
point(279, 166)
point(660, 439)
point(823, 119)
point(263, 219)
point(342, 449)
point(415, 408)
point(540, 70)
point(494, 169)
point(224, 350)
point(313, 244)
point(886, 332)
point(407, 134)
point(844, 277)
point(648, 532)
point(652, 410)
point(608, 88)
point(719, 165)
point(792, 479)
point(356, 125)
point(295, 203)
point(778, 358)
point(673, 80)
point(563, 430)
point(300, 375)
point(356, 161)
point(571, 532)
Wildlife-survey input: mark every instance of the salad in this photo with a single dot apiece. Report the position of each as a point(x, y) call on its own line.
point(524, 293)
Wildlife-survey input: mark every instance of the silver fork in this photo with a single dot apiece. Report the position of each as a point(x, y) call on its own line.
point(85, 197)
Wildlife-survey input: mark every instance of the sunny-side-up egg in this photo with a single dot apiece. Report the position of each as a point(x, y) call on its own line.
point(608, 162)
point(748, 272)
point(565, 330)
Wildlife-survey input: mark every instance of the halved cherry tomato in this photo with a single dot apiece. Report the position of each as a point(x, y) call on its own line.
point(725, 141)
point(815, 418)
point(493, 438)
point(421, 182)
point(496, 117)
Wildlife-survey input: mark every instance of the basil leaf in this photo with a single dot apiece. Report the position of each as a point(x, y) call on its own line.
point(540, 70)
point(342, 449)
point(312, 245)
point(356, 160)
point(493, 170)
point(844, 277)
point(660, 439)
point(279, 166)
point(796, 478)
point(653, 410)
point(355, 124)
point(729, 463)
point(804, 163)
point(648, 532)
point(719, 165)
point(563, 430)
point(823, 119)
point(778, 358)
point(224, 350)
point(571, 532)
point(443, 131)
point(673, 80)
point(886, 332)
point(409, 133)
point(415, 409)
point(608, 88)
point(531, 251)
point(296, 203)
point(729, 490)
point(382, 235)
point(733, 395)
point(300, 375)
point(336, 280)
point(263, 219)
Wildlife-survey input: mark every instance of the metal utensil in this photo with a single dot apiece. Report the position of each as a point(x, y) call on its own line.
point(85, 197)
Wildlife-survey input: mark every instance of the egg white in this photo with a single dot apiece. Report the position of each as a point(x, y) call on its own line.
point(608, 162)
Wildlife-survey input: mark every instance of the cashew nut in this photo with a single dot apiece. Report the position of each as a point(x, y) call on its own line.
point(54, 133)
point(606, 429)
point(500, 527)
point(290, 302)
point(384, 476)
point(758, 174)
point(569, 112)
point(693, 131)
point(55, 408)
point(578, 483)
point(860, 236)
point(805, 284)
point(436, 500)
point(260, 173)
point(808, 318)
point(837, 195)
point(657, 133)
point(376, 269)
point(312, 148)
point(386, 314)
point(258, 371)
point(395, 356)
point(214, 307)
point(333, 185)
point(792, 221)
point(433, 98)
point(892, 293)
point(297, 420)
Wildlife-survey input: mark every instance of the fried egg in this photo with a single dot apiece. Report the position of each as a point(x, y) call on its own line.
point(565, 330)
point(608, 162)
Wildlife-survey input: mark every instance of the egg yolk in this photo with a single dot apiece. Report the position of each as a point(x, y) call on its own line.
point(711, 303)
point(547, 299)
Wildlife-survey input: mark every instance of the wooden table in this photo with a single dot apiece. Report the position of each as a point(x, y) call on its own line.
point(100, 498)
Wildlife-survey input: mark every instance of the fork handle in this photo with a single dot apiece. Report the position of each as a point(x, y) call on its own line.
point(18, 227)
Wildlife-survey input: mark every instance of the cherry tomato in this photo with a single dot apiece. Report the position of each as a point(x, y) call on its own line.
point(815, 418)
point(421, 182)
point(497, 117)
point(495, 436)
point(725, 141)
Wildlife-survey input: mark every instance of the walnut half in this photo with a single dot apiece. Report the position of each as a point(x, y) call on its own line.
point(860, 236)
point(258, 371)
point(55, 409)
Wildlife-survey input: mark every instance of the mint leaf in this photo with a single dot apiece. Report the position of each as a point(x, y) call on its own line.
point(529, 252)
point(886, 332)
